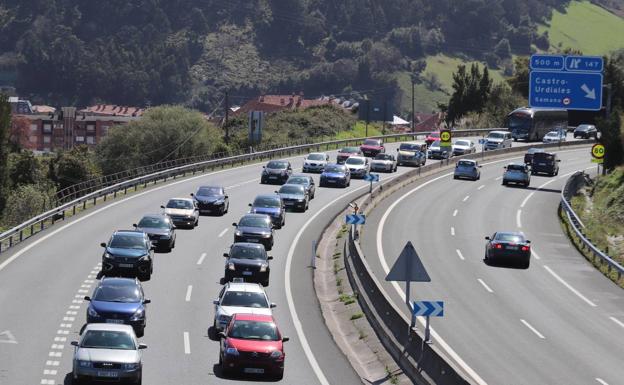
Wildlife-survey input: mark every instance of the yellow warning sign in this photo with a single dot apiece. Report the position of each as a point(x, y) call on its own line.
point(445, 138)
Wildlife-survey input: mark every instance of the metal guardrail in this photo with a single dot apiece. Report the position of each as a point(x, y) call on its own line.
point(573, 184)
point(109, 187)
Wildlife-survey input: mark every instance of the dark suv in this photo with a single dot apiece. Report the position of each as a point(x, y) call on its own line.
point(128, 252)
point(545, 163)
point(585, 131)
point(254, 228)
point(248, 261)
point(276, 171)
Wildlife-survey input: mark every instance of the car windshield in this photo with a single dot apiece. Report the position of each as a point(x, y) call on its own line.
point(247, 252)
point(464, 163)
point(355, 161)
point(254, 222)
point(292, 190)
point(352, 150)
point(180, 204)
point(298, 180)
point(117, 293)
point(254, 330)
point(277, 165)
point(316, 157)
point(435, 144)
point(584, 127)
point(335, 168)
point(124, 241)
point(209, 191)
point(516, 167)
point(107, 339)
point(266, 202)
point(244, 299)
point(462, 143)
point(496, 135)
point(154, 222)
point(408, 147)
point(553, 133)
point(372, 142)
point(383, 157)
point(509, 237)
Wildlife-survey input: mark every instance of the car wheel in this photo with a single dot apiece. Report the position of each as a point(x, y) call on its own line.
point(139, 381)
point(526, 264)
point(196, 222)
point(145, 277)
point(504, 182)
point(77, 381)
point(265, 283)
point(279, 375)
point(455, 177)
point(140, 331)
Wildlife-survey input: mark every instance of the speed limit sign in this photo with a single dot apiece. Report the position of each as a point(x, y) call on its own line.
point(598, 153)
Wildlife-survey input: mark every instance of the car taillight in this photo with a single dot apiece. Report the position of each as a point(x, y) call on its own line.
point(525, 248)
point(498, 246)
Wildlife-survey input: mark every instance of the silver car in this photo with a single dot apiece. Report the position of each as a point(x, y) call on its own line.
point(384, 162)
point(467, 168)
point(183, 212)
point(315, 162)
point(240, 297)
point(463, 147)
point(108, 352)
point(359, 166)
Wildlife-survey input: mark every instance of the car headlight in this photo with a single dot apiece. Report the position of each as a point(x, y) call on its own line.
point(263, 268)
point(231, 351)
point(276, 354)
point(84, 364)
point(238, 233)
point(92, 312)
point(108, 256)
point(131, 366)
point(144, 258)
point(300, 200)
point(137, 315)
point(231, 266)
point(266, 235)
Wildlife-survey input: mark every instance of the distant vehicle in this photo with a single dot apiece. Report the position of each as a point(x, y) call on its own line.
point(508, 246)
point(183, 212)
point(517, 174)
point(294, 196)
point(112, 344)
point(315, 162)
point(436, 151)
point(345, 152)
point(247, 334)
point(432, 137)
point(128, 252)
point(467, 168)
point(306, 181)
point(585, 131)
point(463, 147)
point(254, 228)
point(118, 301)
point(271, 205)
point(359, 166)
point(248, 261)
point(212, 199)
point(531, 124)
point(528, 156)
point(545, 163)
point(412, 154)
point(240, 297)
point(335, 175)
point(276, 171)
point(160, 230)
point(497, 140)
point(384, 162)
point(372, 147)
point(554, 137)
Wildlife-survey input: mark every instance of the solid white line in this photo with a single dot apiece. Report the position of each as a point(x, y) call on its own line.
point(533, 329)
point(455, 213)
point(601, 381)
point(466, 198)
point(189, 290)
point(573, 290)
point(526, 199)
point(452, 230)
point(484, 285)
point(201, 258)
point(518, 222)
point(459, 254)
point(187, 343)
point(617, 321)
point(480, 187)
point(223, 232)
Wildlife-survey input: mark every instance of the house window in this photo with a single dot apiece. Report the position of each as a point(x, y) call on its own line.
point(47, 127)
point(105, 130)
point(47, 139)
point(90, 127)
point(58, 125)
point(80, 139)
point(32, 139)
point(33, 128)
point(90, 140)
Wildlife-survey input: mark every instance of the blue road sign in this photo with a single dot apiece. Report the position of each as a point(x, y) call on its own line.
point(356, 219)
point(570, 90)
point(372, 178)
point(547, 62)
point(428, 308)
point(584, 63)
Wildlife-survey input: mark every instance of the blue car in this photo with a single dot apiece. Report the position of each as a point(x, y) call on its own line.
point(128, 252)
point(467, 168)
point(271, 205)
point(335, 175)
point(517, 173)
point(118, 301)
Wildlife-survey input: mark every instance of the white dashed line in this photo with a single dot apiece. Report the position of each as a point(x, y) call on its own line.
point(89, 281)
point(47, 382)
point(62, 332)
point(518, 222)
point(601, 381)
point(76, 307)
point(57, 347)
point(187, 343)
point(60, 339)
point(189, 290)
point(485, 285)
point(573, 290)
point(53, 363)
point(455, 213)
point(83, 291)
point(79, 296)
point(459, 254)
point(72, 319)
point(223, 232)
point(540, 335)
point(91, 276)
point(480, 187)
point(66, 326)
point(201, 258)
point(617, 321)
point(452, 231)
point(49, 372)
point(71, 312)
point(55, 354)
point(466, 198)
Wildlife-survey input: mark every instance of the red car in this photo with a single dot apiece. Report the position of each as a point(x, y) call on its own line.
point(346, 152)
point(372, 147)
point(432, 138)
point(252, 344)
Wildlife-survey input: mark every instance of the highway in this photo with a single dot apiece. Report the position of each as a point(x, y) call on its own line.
point(559, 322)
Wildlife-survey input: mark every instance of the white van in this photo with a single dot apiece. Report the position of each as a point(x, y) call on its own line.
point(497, 140)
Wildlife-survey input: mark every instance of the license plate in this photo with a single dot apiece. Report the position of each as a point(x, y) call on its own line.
point(542, 164)
point(512, 247)
point(253, 370)
point(272, 177)
point(253, 240)
point(126, 265)
point(107, 374)
point(246, 272)
point(114, 321)
point(331, 181)
point(288, 203)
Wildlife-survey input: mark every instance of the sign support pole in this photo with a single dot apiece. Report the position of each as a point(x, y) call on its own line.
point(427, 332)
point(370, 190)
point(408, 282)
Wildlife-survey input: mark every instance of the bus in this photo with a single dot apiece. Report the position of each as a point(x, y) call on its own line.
point(531, 124)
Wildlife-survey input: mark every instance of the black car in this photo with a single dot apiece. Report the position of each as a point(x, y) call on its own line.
point(508, 246)
point(160, 230)
point(585, 131)
point(545, 163)
point(248, 261)
point(271, 205)
point(254, 228)
point(119, 301)
point(528, 156)
point(128, 252)
point(294, 196)
point(304, 180)
point(212, 199)
point(276, 171)
point(335, 175)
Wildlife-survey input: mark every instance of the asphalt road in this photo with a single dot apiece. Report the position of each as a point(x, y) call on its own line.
point(559, 322)
point(41, 290)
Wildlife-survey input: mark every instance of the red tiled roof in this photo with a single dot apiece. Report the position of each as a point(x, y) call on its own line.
point(113, 110)
point(275, 103)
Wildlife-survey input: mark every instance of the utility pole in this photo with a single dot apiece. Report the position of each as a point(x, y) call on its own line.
point(227, 117)
point(367, 116)
point(608, 107)
point(412, 125)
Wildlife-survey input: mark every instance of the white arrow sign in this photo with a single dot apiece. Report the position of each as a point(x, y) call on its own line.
point(6, 337)
point(590, 94)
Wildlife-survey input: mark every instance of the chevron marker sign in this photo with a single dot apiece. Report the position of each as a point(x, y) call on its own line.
point(428, 308)
point(372, 178)
point(356, 219)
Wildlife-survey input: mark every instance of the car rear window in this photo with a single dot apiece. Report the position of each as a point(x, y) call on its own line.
point(543, 156)
point(350, 150)
point(254, 222)
point(383, 157)
point(463, 163)
point(107, 339)
point(117, 293)
point(209, 191)
point(179, 204)
point(409, 147)
point(355, 161)
point(372, 142)
point(516, 167)
point(508, 237)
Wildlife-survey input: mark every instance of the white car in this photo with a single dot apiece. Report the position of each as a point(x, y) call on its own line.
point(554, 136)
point(182, 211)
point(463, 147)
point(240, 297)
point(359, 166)
point(384, 162)
point(315, 162)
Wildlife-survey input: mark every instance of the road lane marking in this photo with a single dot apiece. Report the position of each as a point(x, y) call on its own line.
point(617, 321)
point(201, 258)
point(55, 354)
point(189, 290)
point(459, 254)
point(518, 222)
point(485, 285)
point(60, 339)
point(601, 381)
point(50, 372)
point(499, 178)
point(452, 230)
point(540, 335)
point(57, 347)
point(187, 343)
point(53, 363)
point(47, 382)
point(72, 319)
point(480, 187)
point(455, 213)
point(466, 198)
point(573, 290)
point(223, 232)
point(62, 332)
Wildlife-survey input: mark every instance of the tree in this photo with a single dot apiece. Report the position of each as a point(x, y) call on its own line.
point(611, 138)
point(5, 126)
point(519, 82)
point(26, 202)
point(470, 92)
point(26, 169)
point(73, 166)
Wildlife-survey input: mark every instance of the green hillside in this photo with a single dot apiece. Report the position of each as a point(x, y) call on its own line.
point(586, 27)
